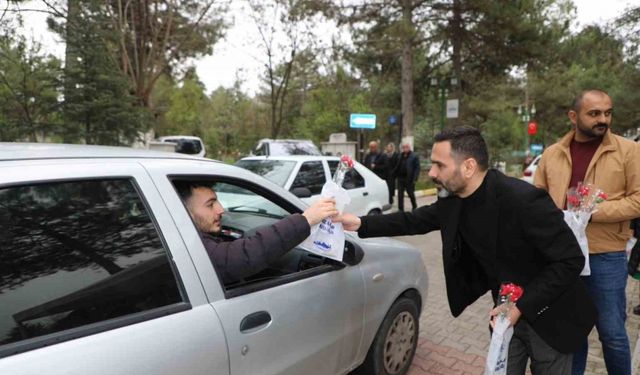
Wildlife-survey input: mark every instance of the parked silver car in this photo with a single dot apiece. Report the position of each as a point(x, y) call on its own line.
point(104, 273)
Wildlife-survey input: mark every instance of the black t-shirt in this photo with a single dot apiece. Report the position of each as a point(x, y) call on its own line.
point(473, 229)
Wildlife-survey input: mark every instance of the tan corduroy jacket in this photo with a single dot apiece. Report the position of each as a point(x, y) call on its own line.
point(615, 168)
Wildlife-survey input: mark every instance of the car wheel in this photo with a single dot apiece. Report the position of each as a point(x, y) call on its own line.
point(395, 343)
point(375, 211)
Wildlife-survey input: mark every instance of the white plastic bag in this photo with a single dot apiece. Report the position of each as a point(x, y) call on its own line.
point(578, 221)
point(498, 355)
point(327, 238)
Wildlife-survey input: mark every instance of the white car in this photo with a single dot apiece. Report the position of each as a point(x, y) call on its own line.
point(105, 273)
point(283, 147)
point(304, 176)
point(530, 171)
point(186, 144)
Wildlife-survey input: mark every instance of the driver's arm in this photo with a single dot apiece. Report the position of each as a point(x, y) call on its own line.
point(243, 257)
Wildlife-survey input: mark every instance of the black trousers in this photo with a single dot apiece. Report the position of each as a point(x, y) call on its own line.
point(409, 187)
point(526, 344)
point(391, 184)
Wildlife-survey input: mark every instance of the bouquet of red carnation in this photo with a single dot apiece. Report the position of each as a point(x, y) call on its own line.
point(502, 331)
point(327, 237)
point(582, 201)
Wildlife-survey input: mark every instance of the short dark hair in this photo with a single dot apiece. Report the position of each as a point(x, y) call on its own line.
point(468, 143)
point(185, 188)
point(577, 101)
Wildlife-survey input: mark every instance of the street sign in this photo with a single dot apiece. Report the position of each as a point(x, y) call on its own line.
point(532, 127)
point(453, 106)
point(536, 148)
point(362, 121)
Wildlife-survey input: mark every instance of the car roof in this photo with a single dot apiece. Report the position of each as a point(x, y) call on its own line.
point(180, 137)
point(288, 140)
point(292, 157)
point(30, 151)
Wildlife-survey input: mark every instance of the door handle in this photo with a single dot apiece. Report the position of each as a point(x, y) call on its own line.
point(255, 320)
point(365, 193)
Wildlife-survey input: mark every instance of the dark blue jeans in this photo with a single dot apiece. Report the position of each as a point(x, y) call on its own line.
point(606, 285)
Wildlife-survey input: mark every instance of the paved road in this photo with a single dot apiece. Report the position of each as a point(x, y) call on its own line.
point(458, 346)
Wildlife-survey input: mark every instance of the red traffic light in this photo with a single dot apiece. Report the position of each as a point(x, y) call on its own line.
point(532, 128)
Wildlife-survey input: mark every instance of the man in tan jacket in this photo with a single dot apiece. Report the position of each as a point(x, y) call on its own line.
point(590, 153)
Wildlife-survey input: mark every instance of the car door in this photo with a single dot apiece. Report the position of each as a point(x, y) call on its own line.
point(311, 175)
point(308, 320)
point(101, 281)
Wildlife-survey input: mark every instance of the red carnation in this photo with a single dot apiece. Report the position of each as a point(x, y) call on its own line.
point(346, 159)
point(512, 291)
point(572, 200)
point(583, 190)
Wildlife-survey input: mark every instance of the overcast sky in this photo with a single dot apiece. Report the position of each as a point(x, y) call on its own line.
point(237, 54)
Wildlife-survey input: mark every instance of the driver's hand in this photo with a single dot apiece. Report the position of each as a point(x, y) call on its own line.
point(349, 221)
point(322, 209)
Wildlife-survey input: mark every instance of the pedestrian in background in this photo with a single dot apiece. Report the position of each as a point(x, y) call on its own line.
point(392, 161)
point(376, 161)
point(590, 153)
point(498, 229)
point(634, 257)
point(408, 172)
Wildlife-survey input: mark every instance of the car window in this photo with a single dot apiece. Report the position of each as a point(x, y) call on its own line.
point(246, 209)
point(311, 176)
point(238, 199)
point(186, 146)
point(276, 171)
point(352, 179)
point(293, 148)
point(76, 253)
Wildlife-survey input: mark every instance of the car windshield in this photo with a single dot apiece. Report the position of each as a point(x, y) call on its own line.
point(282, 148)
point(186, 146)
point(276, 171)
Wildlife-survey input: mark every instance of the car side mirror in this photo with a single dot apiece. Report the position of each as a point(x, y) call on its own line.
point(301, 192)
point(353, 253)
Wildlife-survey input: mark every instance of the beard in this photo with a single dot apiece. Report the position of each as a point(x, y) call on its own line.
point(452, 187)
point(596, 131)
point(205, 225)
point(443, 193)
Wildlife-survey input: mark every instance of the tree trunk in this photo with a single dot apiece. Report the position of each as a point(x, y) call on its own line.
point(407, 69)
point(456, 33)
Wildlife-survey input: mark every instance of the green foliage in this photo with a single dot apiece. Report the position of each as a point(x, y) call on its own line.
point(29, 91)
point(185, 112)
point(98, 106)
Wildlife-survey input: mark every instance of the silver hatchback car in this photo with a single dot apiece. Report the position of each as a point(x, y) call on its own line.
point(104, 272)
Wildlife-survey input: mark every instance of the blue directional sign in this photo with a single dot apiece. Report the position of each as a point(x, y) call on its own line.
point(362, 121)
point(536, 149)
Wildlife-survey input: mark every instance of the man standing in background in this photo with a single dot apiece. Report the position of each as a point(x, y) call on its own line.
point(408, 171)
point(590, 153)
point(392, 161)
point(376, 161)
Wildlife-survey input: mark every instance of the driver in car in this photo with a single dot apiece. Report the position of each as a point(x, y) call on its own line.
point(242, 257)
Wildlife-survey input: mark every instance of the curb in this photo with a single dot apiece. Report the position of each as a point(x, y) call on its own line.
point(426, 192)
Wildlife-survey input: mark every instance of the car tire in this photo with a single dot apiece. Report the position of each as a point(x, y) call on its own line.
point(375, 211)
point(394, 345)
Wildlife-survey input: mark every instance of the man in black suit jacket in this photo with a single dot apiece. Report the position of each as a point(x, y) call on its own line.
point(407, 171)
point(376, 161)
point(498, 229)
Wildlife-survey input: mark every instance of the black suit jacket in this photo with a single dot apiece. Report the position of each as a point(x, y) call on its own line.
point(380, 164)
point(533, 247)
point(411, 166)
